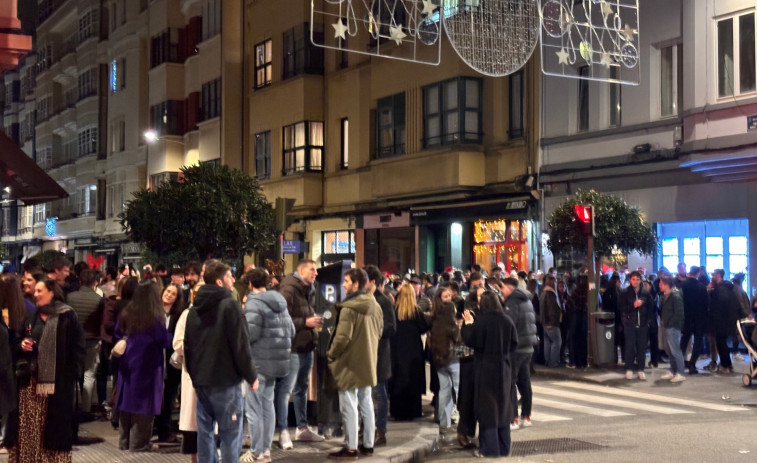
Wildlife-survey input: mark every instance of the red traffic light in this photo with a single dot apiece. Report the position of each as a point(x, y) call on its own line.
point(583, 213)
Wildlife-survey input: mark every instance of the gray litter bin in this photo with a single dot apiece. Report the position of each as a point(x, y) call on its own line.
point(603, 324)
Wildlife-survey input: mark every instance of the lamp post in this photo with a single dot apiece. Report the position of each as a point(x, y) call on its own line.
point(151, 136)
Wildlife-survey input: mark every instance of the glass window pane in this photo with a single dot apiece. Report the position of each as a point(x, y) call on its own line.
point(432, 127)
point(666, 81)
point(691, 246)
point(691, 260)
point(450, 95)
point(316, 133)
point(432, 100)
point(299, 159)
point(471, 93)
point(452, 123)
point(714, 262)
point(670, 248)
point(725, 57)
point(746, 53)
point(737, 264)
point(714, 245)
point(299, 134)
point(737, 245)
point(670, 262)
point(471, 124)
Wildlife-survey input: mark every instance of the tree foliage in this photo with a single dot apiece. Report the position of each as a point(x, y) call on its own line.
point(45, 258)
point(213, 211)
point(617, 226)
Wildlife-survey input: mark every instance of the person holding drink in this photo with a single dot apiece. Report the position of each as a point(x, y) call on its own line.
point(635, 303)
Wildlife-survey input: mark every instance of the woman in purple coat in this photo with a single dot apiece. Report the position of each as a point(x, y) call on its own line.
point(140, 373)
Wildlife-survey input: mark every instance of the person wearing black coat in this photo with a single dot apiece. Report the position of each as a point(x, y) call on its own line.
point(610, 304)
point(384, 360)
point(493, 338)
point(724, 311)
point(577, 307)
point(695, 317)
point(635, 304)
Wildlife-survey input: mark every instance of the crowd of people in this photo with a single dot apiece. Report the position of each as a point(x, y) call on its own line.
point(77, 343)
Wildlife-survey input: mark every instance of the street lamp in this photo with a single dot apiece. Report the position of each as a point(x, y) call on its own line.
point(151, 136)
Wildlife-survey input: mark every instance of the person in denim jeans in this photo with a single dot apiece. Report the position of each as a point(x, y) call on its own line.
point(271, 332)
point(551, 315)
point(444, 335)
point(297, 289)
point(671, 303)
point(217, 357)
point(375, 285)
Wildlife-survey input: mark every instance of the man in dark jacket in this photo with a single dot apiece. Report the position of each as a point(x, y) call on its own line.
point(518, 306)
point(724, 311)
point(551, 316)
point(296, 289)
point(88, 306)
point(695, 316)
point(635, 303)
point(271, 332)
point(384, 363)
point(217, 356)
point(672, 316)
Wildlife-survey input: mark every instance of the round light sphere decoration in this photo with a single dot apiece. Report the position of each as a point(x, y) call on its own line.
point(556, 18)
point(494, 37)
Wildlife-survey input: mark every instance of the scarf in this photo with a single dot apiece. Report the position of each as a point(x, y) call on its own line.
point(47, 351)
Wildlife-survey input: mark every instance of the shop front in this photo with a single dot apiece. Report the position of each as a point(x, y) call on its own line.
point(503, 243)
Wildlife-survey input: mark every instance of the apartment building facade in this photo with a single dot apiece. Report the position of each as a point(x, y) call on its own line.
point(404, 165)
point(680, 146)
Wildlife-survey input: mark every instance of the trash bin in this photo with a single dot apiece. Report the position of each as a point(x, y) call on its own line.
point(603, 325)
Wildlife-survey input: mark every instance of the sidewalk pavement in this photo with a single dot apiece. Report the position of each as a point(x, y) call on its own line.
point(406, 442)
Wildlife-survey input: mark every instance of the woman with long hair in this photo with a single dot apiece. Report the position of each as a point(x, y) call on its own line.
point(493, 337)
point(408, 381)
point(50, 356)
point(188, 409)
point(11, 329)
point(444, 336)
point(140, 376)
point(173, 302)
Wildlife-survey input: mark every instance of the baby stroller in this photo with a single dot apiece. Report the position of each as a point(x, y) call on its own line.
point(746, 327)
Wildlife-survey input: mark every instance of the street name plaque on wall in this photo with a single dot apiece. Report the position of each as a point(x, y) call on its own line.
point(751, 122)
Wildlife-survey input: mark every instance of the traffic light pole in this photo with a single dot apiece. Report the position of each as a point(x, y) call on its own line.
point(592, 298)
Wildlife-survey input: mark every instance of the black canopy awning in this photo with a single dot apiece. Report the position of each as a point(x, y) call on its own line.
point(27, 181)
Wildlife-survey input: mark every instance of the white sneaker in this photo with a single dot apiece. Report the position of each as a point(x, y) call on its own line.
point(641, 376)
point(525, 421)
point(678, 378)
point(667, 375)
point(629, 374)
point(307, 435)
point(284, 440)
point(738, 357)
point(514, 426)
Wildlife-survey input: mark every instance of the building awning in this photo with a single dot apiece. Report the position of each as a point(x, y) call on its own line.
point(26, 180)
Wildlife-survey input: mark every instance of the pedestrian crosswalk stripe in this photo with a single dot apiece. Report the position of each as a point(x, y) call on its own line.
point(547, 417)
point(655, 397)
point(595, 399)
point(539, 401)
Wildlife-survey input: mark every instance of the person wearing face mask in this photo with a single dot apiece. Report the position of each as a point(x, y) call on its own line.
point(635, 303)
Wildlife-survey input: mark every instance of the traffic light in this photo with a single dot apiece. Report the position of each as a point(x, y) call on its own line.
point(585, 218)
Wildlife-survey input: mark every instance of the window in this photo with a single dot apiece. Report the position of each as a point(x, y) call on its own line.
point(45, 157)
point(44, 56)
point(337, 245)
point(390, 120)
point(44, 107)
point(737, 255)
point(86, 197)
point(25, 217)
point(345, 142)
point(157, 180)
point(118, 134)
point(714, 249)
point(165, 48)
point(211, 18)
point(166, 117)
point(41, 212)
point(211, 100)
point(263, 155)
point(515, 101)
point(671, 80)
point(300, 55)
point(736, 55)
point(691, 252)
point(111, 201)
point(614, 97)
point(583, 99)
point(670, 253)
point(123, 12)
point(452, 112)
point(303, 147)
point(87, 83)
point(263, 64)
point(87, 141)
point(88, 25)
point(122, 75)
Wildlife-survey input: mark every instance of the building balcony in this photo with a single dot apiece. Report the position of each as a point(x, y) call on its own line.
point(305, 188)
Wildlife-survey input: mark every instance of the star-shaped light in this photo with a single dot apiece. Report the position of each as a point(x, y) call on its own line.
point(606, 60)
point(339, 29)
point(628, 31)
point(562, 56)
point(607, 10)
point(428, 7)
point(396, 34)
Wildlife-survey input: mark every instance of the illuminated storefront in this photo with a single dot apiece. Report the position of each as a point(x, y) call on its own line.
point(503, 242)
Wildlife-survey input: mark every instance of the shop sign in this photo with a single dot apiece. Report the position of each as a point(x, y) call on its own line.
point(131, 248)
point(516, 205)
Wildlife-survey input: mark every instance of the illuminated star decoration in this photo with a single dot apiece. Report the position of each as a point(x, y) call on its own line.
point(339, 29)
point(628, 32)
point(396, 34)
point(562, 56)
point(606, 60)
point(428, 7)
point(607, 10)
